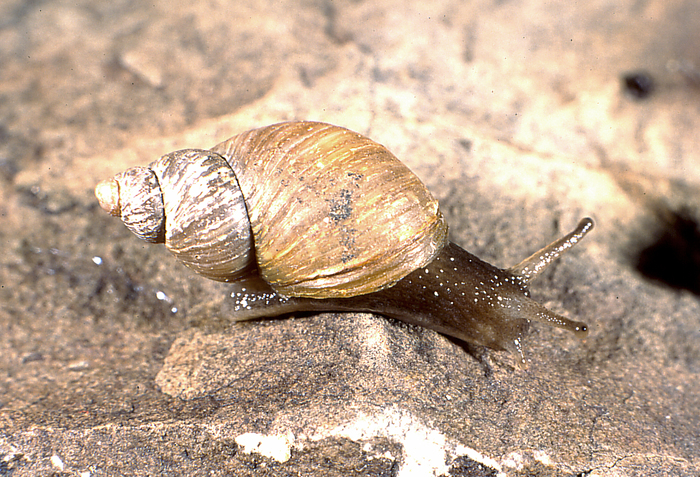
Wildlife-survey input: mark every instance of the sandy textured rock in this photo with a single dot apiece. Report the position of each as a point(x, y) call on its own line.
point(116, 360)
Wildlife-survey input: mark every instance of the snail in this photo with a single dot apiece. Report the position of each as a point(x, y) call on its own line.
point(306, 216)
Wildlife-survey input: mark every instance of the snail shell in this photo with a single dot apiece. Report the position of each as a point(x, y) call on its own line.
point(313, 193)
point(310, 216)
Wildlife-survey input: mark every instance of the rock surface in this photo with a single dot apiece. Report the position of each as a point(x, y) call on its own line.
point(521, 119)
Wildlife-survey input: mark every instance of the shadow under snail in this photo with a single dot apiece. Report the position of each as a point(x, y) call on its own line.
point(306, 216)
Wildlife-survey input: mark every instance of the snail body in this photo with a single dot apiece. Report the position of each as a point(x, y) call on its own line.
point(306, 216)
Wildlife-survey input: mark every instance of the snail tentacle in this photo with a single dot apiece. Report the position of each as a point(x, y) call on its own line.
point(536, 263)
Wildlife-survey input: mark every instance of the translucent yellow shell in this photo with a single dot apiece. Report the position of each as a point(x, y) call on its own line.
point(333, 214)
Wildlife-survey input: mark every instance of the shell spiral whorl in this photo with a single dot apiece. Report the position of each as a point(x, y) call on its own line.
point(312, 190)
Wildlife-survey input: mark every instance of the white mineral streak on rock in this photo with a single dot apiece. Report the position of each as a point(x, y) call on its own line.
point(426, 450)
point(278, 447)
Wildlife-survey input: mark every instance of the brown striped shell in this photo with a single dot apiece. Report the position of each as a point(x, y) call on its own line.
point(331, 212)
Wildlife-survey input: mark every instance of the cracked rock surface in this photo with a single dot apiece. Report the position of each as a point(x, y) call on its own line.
point(521, 118)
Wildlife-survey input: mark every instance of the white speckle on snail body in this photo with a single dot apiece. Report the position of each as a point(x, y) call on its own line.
point(246, 301)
